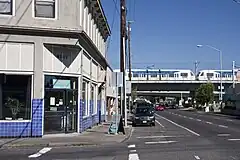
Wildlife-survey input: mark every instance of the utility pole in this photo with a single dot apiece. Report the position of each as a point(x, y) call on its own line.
point(129, 51)
point(233, 73)
point(123, 57)
point(196, 67)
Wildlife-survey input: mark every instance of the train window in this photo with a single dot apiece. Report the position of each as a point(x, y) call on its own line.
point(192, 74)
point(153, 75)
point(209, 74)
point(135, 75)
point(201, 74)
point(171, 75)
point(184, 74)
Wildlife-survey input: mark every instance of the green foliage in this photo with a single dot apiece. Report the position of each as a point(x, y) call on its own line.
point(204, 94)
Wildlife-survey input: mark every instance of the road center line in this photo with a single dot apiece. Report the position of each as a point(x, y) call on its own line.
point(199, 120)
point(159, 123)
point(133, 156)
point(222, 126)
point(179, 125)
point(209, 122)
point(223, 135)
point(198, 158)
point(133, 151)
point(146, 137)
point(234, 139)
point(132, 146)
point(41, 152)
point(160, 142)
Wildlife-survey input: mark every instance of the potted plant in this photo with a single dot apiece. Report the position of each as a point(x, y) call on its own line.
point(14, 105)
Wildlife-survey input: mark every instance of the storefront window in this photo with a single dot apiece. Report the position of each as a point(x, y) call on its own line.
point(15, 97)
point(85, 98)
point(94, 99)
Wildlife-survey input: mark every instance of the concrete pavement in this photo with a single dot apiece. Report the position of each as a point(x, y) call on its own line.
point(97, 135)
point(177, 135)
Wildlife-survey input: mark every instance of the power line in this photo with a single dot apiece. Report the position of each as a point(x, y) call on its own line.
point(134, 9)
point(112, 24)
point(236, 1)
point(116, 8)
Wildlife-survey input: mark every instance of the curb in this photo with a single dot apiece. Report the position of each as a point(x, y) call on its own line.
point(128, 136)
point(46, 145)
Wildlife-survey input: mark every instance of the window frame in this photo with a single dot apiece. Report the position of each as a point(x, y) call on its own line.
point(45, 18)
point(13, 8)
point(31, 98)
point(87, 96)
point(94, 112)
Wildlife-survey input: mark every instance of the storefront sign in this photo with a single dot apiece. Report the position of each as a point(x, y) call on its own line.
point(62, 84)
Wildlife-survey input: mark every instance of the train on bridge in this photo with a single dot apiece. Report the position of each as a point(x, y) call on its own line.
point(182, 74)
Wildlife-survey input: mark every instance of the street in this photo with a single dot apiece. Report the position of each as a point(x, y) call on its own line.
point(177, 135)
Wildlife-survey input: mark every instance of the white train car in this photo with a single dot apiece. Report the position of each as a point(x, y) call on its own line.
point(177, 75)
point(215, 75)
point(162, 74)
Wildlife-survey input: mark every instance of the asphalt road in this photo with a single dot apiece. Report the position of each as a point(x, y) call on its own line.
point(178, 135)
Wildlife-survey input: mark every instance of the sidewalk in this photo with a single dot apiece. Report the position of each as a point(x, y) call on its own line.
point(96, 136)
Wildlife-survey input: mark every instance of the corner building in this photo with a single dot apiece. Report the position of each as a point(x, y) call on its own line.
point(52, 66)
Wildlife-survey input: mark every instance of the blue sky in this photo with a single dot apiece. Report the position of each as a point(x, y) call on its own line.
point(165, 33)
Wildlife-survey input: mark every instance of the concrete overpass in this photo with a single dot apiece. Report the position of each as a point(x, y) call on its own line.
point(174, 88)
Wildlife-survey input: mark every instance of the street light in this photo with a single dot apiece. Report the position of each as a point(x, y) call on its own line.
point(149, 67)
point(221, 67)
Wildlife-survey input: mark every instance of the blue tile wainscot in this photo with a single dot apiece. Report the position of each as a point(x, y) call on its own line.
point(31, 128)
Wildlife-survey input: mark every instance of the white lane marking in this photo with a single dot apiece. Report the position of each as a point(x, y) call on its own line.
point(132, 146)
point(184, 117)
point(149, 137)
point(234, 139)
point(229, 120)
point(133, 151)
point(209, 122)
point(41, 152)
point(222, 126)
point(159, 123)
point(234, 158)
point(133, 156)
point(197, 157)
point(179, 125)
point(223, 135)
point(160, 142)
point(199, 120)
point(190, 118)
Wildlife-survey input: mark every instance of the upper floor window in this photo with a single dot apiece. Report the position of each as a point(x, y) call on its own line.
point(45, 8)
point(6, 7)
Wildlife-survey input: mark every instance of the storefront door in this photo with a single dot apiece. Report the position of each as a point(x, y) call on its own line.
point(60, 114)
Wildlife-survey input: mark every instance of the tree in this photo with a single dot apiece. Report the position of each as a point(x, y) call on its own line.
point(204, 94)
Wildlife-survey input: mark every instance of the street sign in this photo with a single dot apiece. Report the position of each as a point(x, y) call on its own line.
point(119, 77)
point(128, 87)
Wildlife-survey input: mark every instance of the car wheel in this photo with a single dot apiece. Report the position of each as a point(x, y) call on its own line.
point(134, 124)
point(153, 124)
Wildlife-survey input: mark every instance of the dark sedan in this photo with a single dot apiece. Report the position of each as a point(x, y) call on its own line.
point(143, 115)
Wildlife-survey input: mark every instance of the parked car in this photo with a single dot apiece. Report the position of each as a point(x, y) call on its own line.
point(143, 115)
point(160, 108)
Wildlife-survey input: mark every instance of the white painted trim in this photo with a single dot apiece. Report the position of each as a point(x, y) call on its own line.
point(84, 117)
point(17, 72)
point(43, 105)
point(11, 121)
point(61, 74)
point(13, 10)
point(31, 96)
point(56, 11)
point(78, 105)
